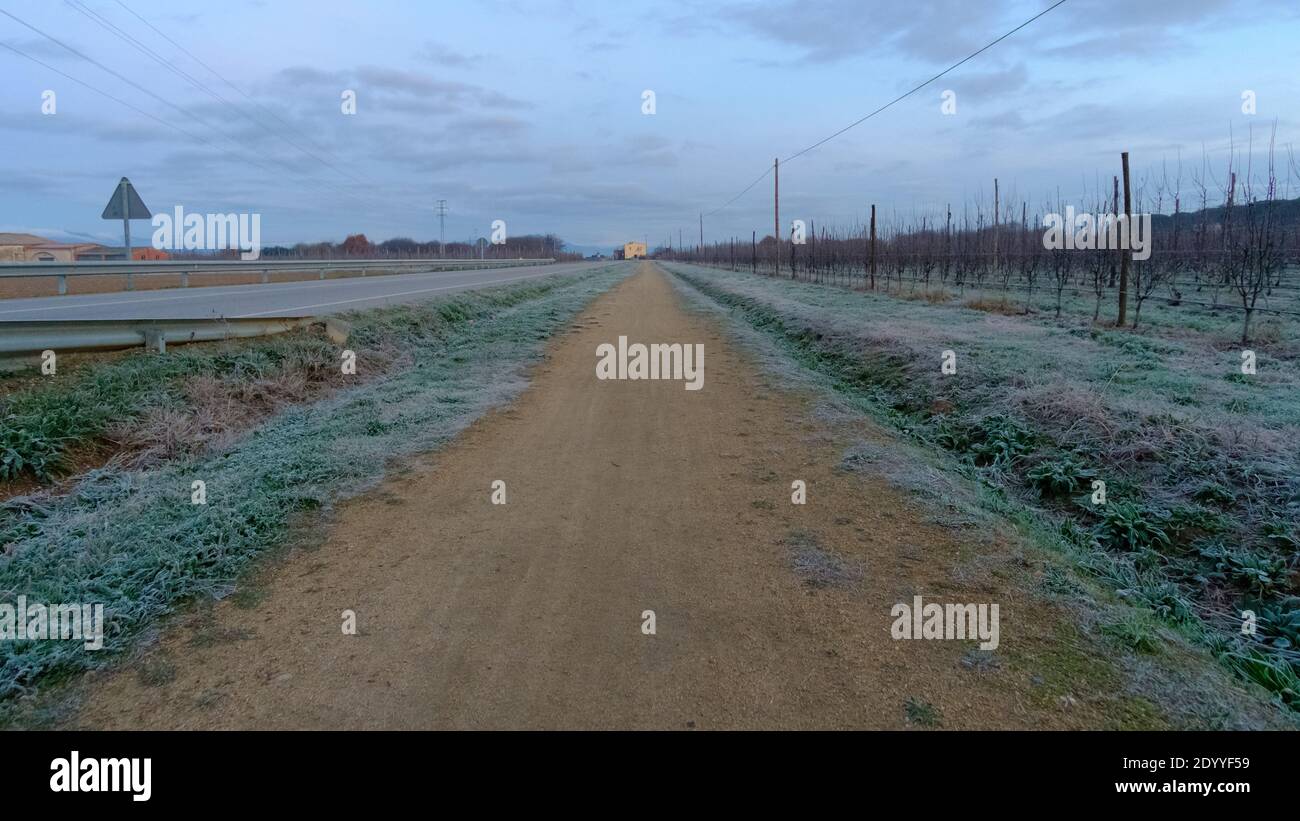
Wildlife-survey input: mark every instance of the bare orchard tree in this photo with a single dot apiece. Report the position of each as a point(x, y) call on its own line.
point(981, 258)
point(1259, 245)
point(1148, 274)
point(1174, 256)
point(948, 248)
point(1059, 259)
point(1030, 246)
point(1099, 263)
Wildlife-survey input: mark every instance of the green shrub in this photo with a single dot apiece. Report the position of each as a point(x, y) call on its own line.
point(1188, 521)
point(1269, 671)
point(25, 450)
point(922, 713)
point(1129, 527)
point(1060, 477)
point(1279, 622)
point(1214, 493)
point(995, 441)
point(1134, 633)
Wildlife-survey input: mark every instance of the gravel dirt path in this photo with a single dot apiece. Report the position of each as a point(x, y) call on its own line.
point(622, 497)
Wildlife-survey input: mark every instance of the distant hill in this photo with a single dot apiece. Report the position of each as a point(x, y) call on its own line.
point(1288, 210)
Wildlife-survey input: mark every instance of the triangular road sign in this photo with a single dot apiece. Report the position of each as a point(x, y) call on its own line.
point(137, 210)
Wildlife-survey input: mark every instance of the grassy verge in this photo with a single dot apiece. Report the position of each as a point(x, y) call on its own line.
point(1202, 513)
point(129, 536)
point(128, 403)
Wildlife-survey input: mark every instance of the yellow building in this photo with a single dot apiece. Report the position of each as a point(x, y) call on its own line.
point(634, 250)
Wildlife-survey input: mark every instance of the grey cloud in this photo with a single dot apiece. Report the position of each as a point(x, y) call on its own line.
point(441, 159)
point(489, 126)
point(395, 82)
point(1004, 120)
point(988, 83)
point(826, 31)
point(1151, 45)
point(447, 57)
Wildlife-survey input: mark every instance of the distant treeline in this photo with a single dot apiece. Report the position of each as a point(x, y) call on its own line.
point(528, 246)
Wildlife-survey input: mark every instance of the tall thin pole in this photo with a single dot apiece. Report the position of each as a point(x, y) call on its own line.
point(996, 223)
point(442, 225)
point(126, 219)
point(873, 247)
point(947, 245)
point(1114, 202)
point(701, 231)
point(1123, 254)
point(776, 211)
point(126, 229)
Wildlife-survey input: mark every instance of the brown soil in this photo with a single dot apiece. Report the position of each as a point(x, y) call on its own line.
point(623, 496)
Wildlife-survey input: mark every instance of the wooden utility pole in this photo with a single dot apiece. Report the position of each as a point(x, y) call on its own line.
point(1124, 254)
point(812, 248)
point(776, 210)
point(1114, 205)
point(947, 245)
point(996, 222)
point(753, 252)
point(701, 231)
point(872, 256)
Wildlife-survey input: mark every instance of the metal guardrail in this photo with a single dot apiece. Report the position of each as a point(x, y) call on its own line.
point(186, 268)
point(32, 337)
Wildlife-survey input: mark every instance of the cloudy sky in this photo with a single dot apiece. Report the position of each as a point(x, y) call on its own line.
point(531, 112)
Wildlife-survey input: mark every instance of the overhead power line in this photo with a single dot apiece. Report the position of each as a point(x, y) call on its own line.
point(124, 103)
point(107, 69)
point(241, 157)
point(108, 25)
point(887, 105)
point(109, 96)
point(215, 73)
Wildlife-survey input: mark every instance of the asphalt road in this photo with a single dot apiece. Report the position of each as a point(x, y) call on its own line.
point(311, 298)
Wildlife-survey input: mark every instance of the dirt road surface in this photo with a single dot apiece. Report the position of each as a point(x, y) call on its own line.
point(622, 497)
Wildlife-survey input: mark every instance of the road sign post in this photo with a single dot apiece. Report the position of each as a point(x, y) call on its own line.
point(126, 205)
point(126, 223)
